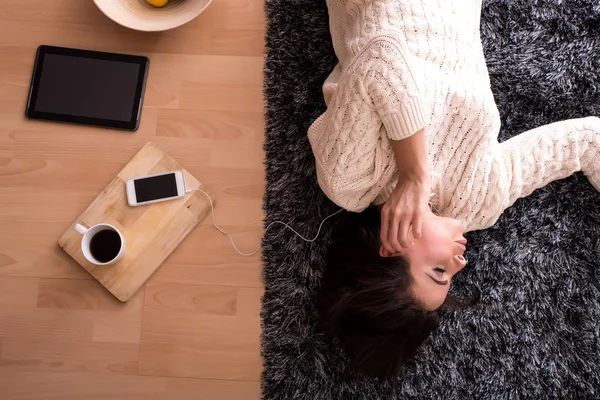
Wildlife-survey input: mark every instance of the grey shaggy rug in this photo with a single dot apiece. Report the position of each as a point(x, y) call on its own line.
point(535, 334)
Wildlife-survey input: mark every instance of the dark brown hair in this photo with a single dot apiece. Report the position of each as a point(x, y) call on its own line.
point(366, 302)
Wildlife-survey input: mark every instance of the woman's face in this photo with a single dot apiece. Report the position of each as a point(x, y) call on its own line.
point(434, 258)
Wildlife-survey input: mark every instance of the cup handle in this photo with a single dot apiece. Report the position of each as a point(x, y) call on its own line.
point(81, 229)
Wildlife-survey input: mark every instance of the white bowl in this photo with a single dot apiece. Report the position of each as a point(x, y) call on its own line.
point(141, 16)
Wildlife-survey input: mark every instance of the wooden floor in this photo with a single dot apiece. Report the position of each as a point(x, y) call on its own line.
point(193, 331)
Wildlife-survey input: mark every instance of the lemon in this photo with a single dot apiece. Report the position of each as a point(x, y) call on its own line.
point(157, 3)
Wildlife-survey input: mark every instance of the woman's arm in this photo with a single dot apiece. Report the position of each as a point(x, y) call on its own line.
point(394, 88)
point(552, 152)
point(411, 157)
point(404, 208)
point(535, 158)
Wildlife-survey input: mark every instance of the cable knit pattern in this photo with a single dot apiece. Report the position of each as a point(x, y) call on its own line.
point(407, 65)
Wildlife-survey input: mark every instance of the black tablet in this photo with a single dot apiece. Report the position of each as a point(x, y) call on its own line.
point(87, 87)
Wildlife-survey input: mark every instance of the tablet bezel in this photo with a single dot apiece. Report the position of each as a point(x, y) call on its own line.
point(134, 121)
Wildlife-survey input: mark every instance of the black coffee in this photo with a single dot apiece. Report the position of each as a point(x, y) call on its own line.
point(105, 245)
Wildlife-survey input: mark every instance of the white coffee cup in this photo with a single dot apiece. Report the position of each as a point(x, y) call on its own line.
point(104, 249)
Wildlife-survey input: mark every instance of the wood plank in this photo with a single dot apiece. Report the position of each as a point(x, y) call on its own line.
point(212, 346)
point(240, 14)
point(13, 119)
point(249, 302)
point(19, 57)
point(195, 359)
point(191, 299)
point(44, 205)
point(17, 292)
point(161, 93)
point(197, 37)
point(33, 173)
point(40, 354)
point(238, 154)
point(215, 271)
point(210, 124)
point(122, 327)
point(6, 147)
point(39, 255)
point(205, 389)
point(74, 310)
point(17, 385)
point(221, 97)
point(215, 69)
point(107, 146)
point(40, 323)
point(100, 147)
point(115, 38)
point(55, 11)
point(214, 247)
point(247, 42)
point(20, 261)
point(207, 258)
point(77, 294)
point(22, 385)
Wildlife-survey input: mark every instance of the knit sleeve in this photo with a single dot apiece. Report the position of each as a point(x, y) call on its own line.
point(376, 100)
point(353, 159)
point(393, 85)
point(535, 158)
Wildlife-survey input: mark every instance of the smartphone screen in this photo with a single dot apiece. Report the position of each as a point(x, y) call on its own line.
point(155, 188)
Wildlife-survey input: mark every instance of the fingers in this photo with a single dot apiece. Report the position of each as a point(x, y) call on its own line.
point(395, 229)
point(383, 236)
point(393, 233)
point(405, 225)
point(416, 226)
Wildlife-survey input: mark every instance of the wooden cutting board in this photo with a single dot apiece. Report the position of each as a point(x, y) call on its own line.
point(151, 232)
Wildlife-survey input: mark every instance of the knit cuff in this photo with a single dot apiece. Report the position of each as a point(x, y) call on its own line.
point(385, 192)
point(406, 121)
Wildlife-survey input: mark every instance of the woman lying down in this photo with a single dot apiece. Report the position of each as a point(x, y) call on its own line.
point(411, 126)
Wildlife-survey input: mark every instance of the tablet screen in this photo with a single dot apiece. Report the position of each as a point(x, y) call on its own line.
point(89, 87)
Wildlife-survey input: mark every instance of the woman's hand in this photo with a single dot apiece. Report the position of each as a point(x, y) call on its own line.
point(404, 211)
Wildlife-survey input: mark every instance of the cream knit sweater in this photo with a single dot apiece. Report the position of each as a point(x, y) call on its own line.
point(405, 65)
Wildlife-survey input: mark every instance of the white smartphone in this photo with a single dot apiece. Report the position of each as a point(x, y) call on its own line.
point(155, 188)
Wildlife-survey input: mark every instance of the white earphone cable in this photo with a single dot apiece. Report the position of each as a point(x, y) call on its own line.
point(212, 210)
